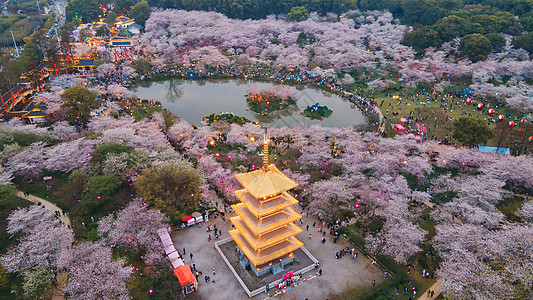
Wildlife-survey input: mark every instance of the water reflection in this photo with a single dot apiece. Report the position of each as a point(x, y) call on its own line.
point(194, 99)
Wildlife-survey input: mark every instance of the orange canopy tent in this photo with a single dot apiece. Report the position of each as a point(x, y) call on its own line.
point(186, 278)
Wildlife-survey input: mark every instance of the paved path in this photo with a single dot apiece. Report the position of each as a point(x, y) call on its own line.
point(47, 204)
point(435, 287)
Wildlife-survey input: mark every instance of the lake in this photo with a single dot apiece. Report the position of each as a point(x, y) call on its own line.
point(194, 99)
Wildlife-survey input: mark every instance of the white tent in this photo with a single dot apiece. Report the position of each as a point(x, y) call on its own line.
point(170, 249)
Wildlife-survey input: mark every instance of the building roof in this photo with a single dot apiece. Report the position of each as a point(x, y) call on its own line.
point(35, 113)
point(42, 66)
point(265, 182)
point(85, 63)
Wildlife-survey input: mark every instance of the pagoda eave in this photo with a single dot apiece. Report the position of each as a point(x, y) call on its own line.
point(259, 257)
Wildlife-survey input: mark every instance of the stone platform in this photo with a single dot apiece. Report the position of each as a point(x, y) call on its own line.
point(253, 285)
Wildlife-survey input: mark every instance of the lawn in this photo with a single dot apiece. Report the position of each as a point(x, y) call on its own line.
point(509, 206)
point(437, 119)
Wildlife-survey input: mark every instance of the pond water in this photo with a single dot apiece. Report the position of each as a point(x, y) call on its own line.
point(194, 99)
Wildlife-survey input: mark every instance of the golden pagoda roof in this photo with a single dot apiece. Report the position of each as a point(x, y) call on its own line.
point(266, 207)
point(266, 182)
point(267, 224)
point(260, 242)
point(258, 257)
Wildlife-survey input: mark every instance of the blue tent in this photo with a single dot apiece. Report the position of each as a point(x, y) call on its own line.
point(493, 150)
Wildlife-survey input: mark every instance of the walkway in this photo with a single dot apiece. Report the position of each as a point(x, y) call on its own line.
point(435, 287)
point(47, 204)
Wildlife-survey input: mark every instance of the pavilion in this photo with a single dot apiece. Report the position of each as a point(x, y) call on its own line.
point(264, 226)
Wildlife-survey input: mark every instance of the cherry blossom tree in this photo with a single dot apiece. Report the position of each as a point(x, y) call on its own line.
point(64, 131)
point(326, 196)
point(119, 91)
point(526, 211)
point(68, 156)
point(29, 162)
point(5, 177)
point(42, 239)
point(135, 228)
point(402, 239)
point(482, 264)
point(93, 274)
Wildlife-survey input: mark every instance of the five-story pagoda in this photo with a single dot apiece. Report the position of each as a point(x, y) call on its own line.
point(264, 225)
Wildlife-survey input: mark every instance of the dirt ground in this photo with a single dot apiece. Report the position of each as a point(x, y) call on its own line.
point(338, 275)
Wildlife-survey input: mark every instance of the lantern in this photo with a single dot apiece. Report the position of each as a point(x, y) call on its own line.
point(511, 123)
point(500, 117)
point(469, 101)
point(531, 138)
point(491, 111)
point(480, 106)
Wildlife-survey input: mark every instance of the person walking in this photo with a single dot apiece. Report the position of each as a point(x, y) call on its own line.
point(307, 227)
point(191, 256)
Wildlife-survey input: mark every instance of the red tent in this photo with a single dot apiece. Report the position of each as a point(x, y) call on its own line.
point(186, 218)
point(186, 279)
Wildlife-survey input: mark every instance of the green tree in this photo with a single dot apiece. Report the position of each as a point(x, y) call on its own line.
point(475, 46)
point(31, 56)
point(7, 195)
point(297, 14)
point(101, 152)
point(78, 103)
point(451, 27)
point(102, 31)
point(497, 41)
point(525, 42)
point(173, 188)
point(140, 12)
point(422, 38)
point(471, 132)
point(38, 284)
point(86, 10)
point(142, 65)
point(99, 190)
point(110, 18)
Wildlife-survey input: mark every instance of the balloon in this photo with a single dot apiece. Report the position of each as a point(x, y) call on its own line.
point(468, 101)
point(531, 138)
point(491, 111)
point(480, 106)
point(511, 123)
point(500, 117)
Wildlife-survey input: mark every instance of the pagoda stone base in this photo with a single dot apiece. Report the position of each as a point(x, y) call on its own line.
point(253, 284)
point(275, 267)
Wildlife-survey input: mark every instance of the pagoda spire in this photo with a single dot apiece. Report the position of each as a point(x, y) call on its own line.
point(265, 149)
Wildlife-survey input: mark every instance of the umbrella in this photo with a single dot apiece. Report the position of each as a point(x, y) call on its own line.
point(186, 218)
point(196, 214)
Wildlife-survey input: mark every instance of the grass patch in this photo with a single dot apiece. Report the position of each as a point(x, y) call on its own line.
point(437, 120)
point(509, 207)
